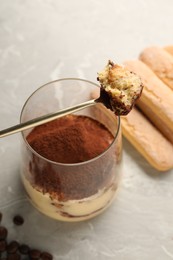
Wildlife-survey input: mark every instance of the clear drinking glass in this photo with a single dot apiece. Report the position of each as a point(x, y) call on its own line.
point(93, 183)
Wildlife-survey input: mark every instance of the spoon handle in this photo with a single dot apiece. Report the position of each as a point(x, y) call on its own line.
point(46, 118)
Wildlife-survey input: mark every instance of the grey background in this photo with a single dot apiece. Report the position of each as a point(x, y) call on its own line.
point(43, 40)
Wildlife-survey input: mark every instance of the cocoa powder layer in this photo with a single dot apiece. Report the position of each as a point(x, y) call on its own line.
point(71, 139)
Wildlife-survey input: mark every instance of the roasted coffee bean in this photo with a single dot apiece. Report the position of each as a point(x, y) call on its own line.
point(3, 245)
point(12, 247)
point(18, 220)
point(14, 256)
point(46, 256)
point(15, 251)
point(34, 254)
point(3, 233)
point(24, 249)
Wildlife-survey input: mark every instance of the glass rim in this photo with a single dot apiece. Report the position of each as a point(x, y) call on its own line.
point(59, 163)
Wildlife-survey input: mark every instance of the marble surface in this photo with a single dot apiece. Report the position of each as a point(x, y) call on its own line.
point(43, 40)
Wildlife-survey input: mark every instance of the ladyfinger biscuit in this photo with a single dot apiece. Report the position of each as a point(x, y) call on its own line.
point(161, 62)
point(156, 101)
point(120, 88)
point(154, 147)
point(169, 49)
point(145, 138)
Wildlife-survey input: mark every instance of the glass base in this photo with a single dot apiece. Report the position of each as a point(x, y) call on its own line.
point(72, 210)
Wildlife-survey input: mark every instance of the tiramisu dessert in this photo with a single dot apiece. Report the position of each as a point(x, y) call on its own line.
point(71, 165)
point(77, 187)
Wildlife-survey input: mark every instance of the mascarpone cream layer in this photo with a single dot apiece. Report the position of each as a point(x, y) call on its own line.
point(71, 210)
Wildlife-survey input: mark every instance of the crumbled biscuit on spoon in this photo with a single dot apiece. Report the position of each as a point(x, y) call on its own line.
point(120, 88)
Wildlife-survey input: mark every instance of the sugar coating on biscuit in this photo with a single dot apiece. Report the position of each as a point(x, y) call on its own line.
point(121, 86)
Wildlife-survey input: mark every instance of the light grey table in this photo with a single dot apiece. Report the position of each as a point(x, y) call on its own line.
point(43, 40)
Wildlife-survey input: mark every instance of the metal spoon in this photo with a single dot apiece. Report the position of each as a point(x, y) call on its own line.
point(133, 85)
point(49, 117)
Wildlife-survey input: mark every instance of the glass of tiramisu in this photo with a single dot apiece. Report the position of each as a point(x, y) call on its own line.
point(71, 166)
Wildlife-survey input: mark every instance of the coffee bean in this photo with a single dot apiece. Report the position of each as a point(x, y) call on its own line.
point(34, 254)
point(14, 256)
point(3, 233)
point(46, 256)
point(18, 220)
point(12, 247)
point(3, 245)
point(24, 249)
point(15, 251)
